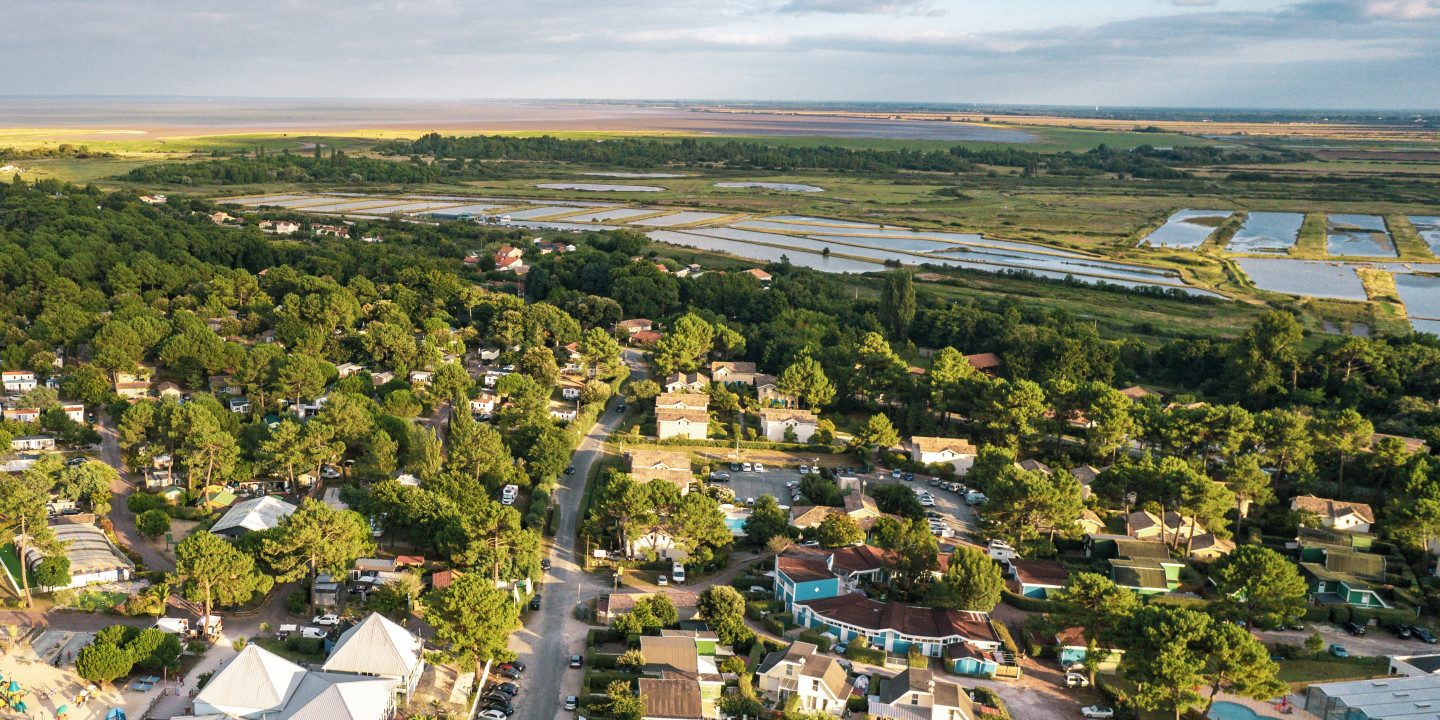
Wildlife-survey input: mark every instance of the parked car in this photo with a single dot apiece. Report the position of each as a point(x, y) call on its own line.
point(1074, 680)
point(1339, 651)
point(576, 661)
point(516, 665)
point(895, 474)
point(329, 472)
point(934, 515)
point(792, 483)
point(1098, 711)
point(1296, 624)
point(909, 476)
point(759, 467)
point(747, 467)
point(571, 702)
point(498, 705)
point(326, 620)
point(506, 673)
point(840, 648)
point(511, 688)
point(804, 469)
point(1401, 632)
point(544, 563)
point(311, 633)
point(663, 581)
point(1354, 628)
point(1422, 634)
point(719, 477)
point(495, 693)
point(570, 470)
point(535, 602)
point(734, 467)
point(491, 715)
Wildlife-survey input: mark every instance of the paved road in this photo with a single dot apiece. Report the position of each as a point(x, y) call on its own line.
point(552, 634)
point(120, 516)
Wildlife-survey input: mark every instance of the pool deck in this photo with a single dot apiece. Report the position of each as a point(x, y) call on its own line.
point(1267, 710)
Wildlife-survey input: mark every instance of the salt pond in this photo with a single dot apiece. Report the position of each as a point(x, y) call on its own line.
point(409, 207)
point(594, 187)
point(1358, 235)
point(264, 198)
point(603, 215)
point(1267, 232)
point(350, 205)
point(1310, 278)
point(680, 218)
point(806, 220)
point(540, 212)
point(1429, 228)
point(1186, 229)
point(787, 187)
point(1421, 295)
point(765, 253)
point(632, 175)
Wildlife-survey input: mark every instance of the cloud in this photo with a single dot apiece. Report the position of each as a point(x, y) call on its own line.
point(1193, 3)
point(863, 7)
point(1400, 9)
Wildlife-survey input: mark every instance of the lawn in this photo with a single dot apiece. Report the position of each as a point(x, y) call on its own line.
point(92, 601)
point(12, 562)
point(1299, 673)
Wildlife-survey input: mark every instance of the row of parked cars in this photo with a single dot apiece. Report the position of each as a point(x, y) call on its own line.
point(496, 703)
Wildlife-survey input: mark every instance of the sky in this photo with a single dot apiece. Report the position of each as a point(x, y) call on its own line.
point(1342, 54)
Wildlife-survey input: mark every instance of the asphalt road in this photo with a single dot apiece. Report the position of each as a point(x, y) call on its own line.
point(120, 516)
point(553, 633)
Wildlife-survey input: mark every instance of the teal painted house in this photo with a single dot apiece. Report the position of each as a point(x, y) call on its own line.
point(966, 659)
point(1343, 575)
point(802, 579)
point(1070, 649)
point(1144, 566)
point(1035, 578)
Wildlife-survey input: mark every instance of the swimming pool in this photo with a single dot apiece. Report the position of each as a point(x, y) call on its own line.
point(1222, 710)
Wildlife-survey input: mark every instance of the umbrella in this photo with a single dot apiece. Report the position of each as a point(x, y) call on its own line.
point(115, 714)
point(14, 687)
point(61, 710)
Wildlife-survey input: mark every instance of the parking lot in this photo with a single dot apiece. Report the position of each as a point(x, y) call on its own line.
point(753, 484)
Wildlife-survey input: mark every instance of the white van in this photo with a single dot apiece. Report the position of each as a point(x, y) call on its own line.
point(508, 494)
point(677, 571)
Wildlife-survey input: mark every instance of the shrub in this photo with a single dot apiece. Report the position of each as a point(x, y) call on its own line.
point(297, 602)
point(238, 643)
point(857, 704)
point(986, 696)
point(1339, 613)
point(139, 503)
point(1287, 651)
point(865, 654)
point(1317, 614)
point(1007, 642)
point(819, 639)
point(603, 661)
point(153, 523)
point(304, 645)
point(1020, 602)
point(774, 626)
point(916, 659)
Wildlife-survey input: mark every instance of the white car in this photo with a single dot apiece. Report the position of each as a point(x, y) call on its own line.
point(1097, 711)
point(804, 469)
point(329, 473)
point(1075, 680)
point(491, 715)
point(792, 483)
point(663, 581)
point(927, 501)
point(747, 467)
point(326, 620)
point(759, 467)
point(312, 633)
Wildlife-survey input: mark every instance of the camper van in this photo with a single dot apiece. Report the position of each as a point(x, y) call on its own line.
point(178, 626)
point(509, 493)
point(677, 571)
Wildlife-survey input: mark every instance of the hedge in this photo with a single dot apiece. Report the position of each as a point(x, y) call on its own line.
point(865, 654)
point(820, 640)
point(1028, 604)
point(603, 661)
point(774, 626)
point(597, 681)
point(1386, 617)
point(1007, 642)
point(917, 659)
point(754, 610)
point(1197, 604)
point(986, 696)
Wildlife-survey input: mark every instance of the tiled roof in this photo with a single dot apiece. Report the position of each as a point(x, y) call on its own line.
point(1325, 507)
point(671, 699)
point(983, 361)
point(922, 622)
point(934, 445)
point(1039, 572)
point(804, 569)
point(783, 414)
point(694, 415)
point(742, 368)
point(689, 400)
point(625, 602)
point(861, 558)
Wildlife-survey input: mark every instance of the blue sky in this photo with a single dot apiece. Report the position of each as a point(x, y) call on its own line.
point(1217, 53)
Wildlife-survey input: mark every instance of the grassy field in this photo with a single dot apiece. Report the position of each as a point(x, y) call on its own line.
point(1300, 673)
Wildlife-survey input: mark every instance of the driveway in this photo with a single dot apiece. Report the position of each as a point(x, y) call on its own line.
point(959, 516)
point(1376, 641)
point(553, 633)
point(120, 516)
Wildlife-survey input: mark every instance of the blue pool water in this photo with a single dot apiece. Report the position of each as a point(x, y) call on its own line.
point(1230, 711)
point(735, 524)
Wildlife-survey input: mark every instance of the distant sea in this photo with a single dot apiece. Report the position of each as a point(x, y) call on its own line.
point(234, 115)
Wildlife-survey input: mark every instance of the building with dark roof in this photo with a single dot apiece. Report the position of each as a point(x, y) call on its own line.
point(671, 699)
point(897, 627)
point(915, 694)
point(1035, 578)
point(819, 680)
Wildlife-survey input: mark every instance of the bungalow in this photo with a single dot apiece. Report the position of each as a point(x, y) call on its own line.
point(987, 363)
point(563, 413)
point(17, 381)
point(801, 577)
point(1209, 547)
point(261, 513)
point(915, 694)
point(1335, 513)
point(645, 338)
point(1143, 566)
point(26, 415)
point(348, 369)
point(484, 403)
point(507, 251)
point(775, 422)
point(682, 400)
point(860, 507)
point(767, 389)
point(1411, 445)
point(1344, 575)
point(677, 698)
point(331, 230)
point(1146, 525)
point(1087, 475)
point(223, 218)
point(152, 199)
point(420, 377)
point(819, 680)
point(610, 606)
point(509, 264)
point(74, 411)
point(570, 387)
point(955, 452)
point(686, 382)
point(1071, 649)
point(133, 390)
point(574, 362)
point(759, 274)
point(257, 683)
point(240, 405)
point(895, 627)
point(1035, 578)
point(32, 442)
point(168, 389)
point(672, 467)
point(740, 373)
point(692, 423)
point(1137, 393)
point(382, 377)
point(279, 227)
point(1089, 522)
point(965, 659)
point(635, 325)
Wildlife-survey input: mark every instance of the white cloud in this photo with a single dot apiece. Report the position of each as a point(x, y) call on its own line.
point(1401, 9)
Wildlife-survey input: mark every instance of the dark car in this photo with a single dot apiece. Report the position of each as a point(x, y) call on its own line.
point(734, 467)
point(909, 476)
point(570, 470)
point(535, 603)
point(1354, 628)
point(506, 673)
point(1401, 632)
point(500, 705)
point(509, 688)
point(516, 665)
point(576, 661)
point(497, 697)
point(545, 564)
point(1422, 634)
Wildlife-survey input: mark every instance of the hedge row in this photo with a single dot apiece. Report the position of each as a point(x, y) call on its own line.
point(774, 626)
point(603, 661)
point(599, 681)
point(986, 696)
point(1028, 604)
point(865, 654)
point(1007, 642)
point(818, 639)
point(1345, 613)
